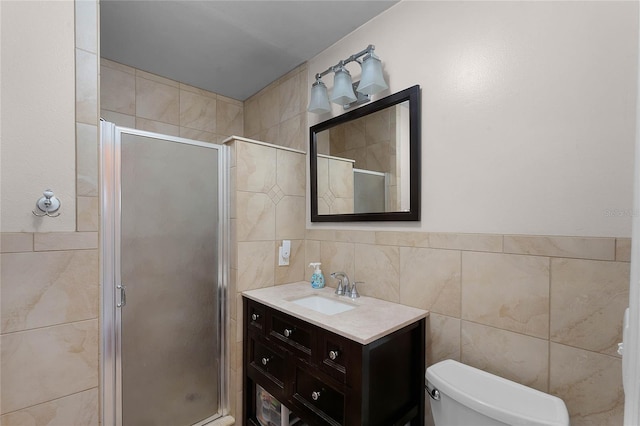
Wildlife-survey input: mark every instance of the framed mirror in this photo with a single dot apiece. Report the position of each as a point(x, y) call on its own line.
point(365, 164)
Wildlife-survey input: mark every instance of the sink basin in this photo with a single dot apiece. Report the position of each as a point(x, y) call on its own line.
point(323, 305)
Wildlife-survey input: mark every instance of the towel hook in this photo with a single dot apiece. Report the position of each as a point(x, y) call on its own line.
point(47, 204)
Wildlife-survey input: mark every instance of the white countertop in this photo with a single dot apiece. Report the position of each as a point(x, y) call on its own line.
point(371, 319)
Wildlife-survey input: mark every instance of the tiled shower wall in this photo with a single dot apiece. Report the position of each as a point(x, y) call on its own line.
point(49, 282)
point(136, 99)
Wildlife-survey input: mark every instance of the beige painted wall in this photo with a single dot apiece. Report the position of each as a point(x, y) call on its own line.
point(527, 111)
point(38, 108)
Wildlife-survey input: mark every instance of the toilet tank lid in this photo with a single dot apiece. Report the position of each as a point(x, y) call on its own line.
point(496, 397)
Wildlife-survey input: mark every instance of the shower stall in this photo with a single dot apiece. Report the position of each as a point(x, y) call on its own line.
point(164, 274)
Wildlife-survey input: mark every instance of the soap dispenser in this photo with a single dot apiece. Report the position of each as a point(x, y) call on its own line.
point(317, 279)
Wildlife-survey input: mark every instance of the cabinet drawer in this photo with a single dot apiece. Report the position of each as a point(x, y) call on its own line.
point(320, 398)
point(255, 316)
point(296, 334)
point(335, 354)
point(267, 361)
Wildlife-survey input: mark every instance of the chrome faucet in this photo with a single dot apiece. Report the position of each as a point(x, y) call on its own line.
point(343, 283)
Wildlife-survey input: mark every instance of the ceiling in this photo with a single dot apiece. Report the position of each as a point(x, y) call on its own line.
point(234, 48)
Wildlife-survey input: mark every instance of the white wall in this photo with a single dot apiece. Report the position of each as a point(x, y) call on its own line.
point(527, 111)
point(38, 113)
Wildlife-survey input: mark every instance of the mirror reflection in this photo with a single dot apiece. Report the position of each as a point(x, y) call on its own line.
point(365, 164)
point(361, 162)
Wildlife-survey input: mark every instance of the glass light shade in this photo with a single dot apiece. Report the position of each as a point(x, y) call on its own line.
point(372, 80)
point(342, 88)
point(319, 103)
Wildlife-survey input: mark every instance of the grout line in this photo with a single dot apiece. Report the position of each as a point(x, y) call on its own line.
point(26, 330)
point(55, 399)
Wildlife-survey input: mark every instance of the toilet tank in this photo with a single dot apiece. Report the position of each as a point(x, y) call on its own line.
point(468, 396)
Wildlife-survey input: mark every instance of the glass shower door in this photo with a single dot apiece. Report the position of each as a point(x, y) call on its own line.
point(169, 307)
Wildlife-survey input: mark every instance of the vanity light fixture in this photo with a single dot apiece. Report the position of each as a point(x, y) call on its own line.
point(345, 92)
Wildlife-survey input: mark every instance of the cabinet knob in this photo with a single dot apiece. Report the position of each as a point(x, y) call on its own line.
point(265, 360)
point(333, 354)
point(255, 317)
point(287, 332)
point(315, 395)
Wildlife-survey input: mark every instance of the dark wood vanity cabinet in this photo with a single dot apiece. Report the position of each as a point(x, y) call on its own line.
point(327, 379)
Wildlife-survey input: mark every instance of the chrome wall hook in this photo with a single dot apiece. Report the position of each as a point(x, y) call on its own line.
point(47, 205)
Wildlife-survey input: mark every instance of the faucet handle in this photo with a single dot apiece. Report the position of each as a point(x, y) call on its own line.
point(354, 291)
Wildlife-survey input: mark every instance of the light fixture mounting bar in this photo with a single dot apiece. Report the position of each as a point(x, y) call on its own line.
point(353, 58)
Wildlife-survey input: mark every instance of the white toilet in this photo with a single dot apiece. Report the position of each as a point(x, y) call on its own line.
point(465, 396)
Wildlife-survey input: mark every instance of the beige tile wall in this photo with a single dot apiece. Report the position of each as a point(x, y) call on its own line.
point(543, 311)
point(133, 98)
point(267, 206)
point(277, 114)
point(50, 283)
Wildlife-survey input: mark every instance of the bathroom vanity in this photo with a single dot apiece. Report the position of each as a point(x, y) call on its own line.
point(333, 360)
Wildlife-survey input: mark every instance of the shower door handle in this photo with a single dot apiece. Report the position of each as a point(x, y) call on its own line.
point(123, 295)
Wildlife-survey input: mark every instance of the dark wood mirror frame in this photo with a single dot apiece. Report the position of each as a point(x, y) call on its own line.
point(412, 95)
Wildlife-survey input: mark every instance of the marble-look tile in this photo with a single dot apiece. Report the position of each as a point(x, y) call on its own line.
point(79, 409)
point(290, 218)
point(16, 242)
point(86, 160)
point(337, 257)
point(268, 108)
point(256, 262)
point(398, 238)
point(351, 236)
point(233, 173)
point(377, 126)
point(157, 101)
point(474, 242)
point(256, 217)
point(588, 299)
point(62, 288)
point(589, 383)
point(513, 356)
point(251, 117)
point(117, 66)
point(158, 79)
point(228, 100)
point(197, 91)
point(198, 112)
point(47, 241)
point(229, 118)
point(87, 25)
point(506, 291)
point(255, 167)
point(342, 206)
point(233, 243)
point(157, 127)
point(48, 363)
point(430, 279)
point(290, 97)
point(86, 87)
point(117, 90)
point(199, 135)
point(623, 249)
point(297, 269)
point(87, 216)
point(574, 247)
point(292, 132)
point(378, 158)
point(443, 338)
point(119, 119)
point(379, 269)
point(291, 172)
point(341, 178)
point(270, 135)
point(354, 136)
point(321, 234)
point(312, 252)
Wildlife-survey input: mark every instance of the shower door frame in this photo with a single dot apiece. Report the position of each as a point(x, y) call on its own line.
point(110, 227)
